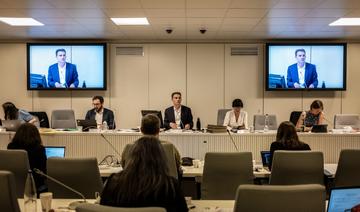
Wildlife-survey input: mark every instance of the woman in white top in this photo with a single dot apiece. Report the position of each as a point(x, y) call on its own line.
point(236, 118)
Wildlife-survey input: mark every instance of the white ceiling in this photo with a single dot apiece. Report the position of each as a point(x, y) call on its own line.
point(223, 19)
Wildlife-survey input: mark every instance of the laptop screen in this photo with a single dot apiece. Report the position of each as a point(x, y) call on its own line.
point(343, 199)
point(265, 157)
point(55, 151)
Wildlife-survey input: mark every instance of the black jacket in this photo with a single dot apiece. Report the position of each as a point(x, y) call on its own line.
point(186, 117)
point(108, 116)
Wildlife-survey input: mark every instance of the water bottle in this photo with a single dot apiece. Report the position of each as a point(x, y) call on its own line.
point(105, 126)
point(198, 124)
point(30, 194)
point(266, 126)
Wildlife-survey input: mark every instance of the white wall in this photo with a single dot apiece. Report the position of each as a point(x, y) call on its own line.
point(206, 74)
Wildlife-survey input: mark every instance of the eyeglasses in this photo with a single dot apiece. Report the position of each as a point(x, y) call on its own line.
point(96, 104)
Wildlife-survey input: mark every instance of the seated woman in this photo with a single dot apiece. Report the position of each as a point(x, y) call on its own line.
point(144, 181)
point(27, 137)
point(314, 116)
point(13, 113)
point(236, 118)
point(286, 139)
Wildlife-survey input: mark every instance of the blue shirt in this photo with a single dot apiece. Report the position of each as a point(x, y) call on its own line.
point(24, 115)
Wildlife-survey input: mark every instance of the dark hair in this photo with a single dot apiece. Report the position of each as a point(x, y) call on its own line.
point(145, 172)
point(237, 103)
point(317, 104)
point(299, 50)
point(287, 135)
point(10, 111)
point(27, 136)
point(100, 98)
point(174, 93)
point(59, 50)
point(150, 124)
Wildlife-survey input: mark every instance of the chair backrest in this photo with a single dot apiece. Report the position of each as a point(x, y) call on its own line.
point(342, 120)
point(88, 207)
point(297, 167)
point(294, 198)
point(81, 174)
point(43, 118)
point(8, 198)
point(169, 153)
point(63, 119)
point(224, 172)
point(17, 162)
point(221, 116)
point(348, 169)
point(259, 122)
point(294, 117)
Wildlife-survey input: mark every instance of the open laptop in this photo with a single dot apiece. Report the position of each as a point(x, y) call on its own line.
point(11, 125)
point(55, 151)
point(320, 128)
point(87, 124)
point(344, 199)
point(265, 158)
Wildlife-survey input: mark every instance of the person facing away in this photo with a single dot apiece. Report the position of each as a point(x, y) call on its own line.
point(145, 180)
point(11, 112)
point(27, 138)
point(178, 116)
point(62, 74)
point(301, 74)
point(314, 116)
point(100, 113)
point(150, 126)
point(236, 118)
point(286, 139)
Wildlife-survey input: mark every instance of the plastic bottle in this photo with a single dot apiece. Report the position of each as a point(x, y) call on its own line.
point(105, 126)
point(198, 124)
point(266, 126)
point(30, 194)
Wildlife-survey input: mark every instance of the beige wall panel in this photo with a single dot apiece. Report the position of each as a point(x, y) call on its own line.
point(167, 73)
point(244, 80)
point(350, 98)
point(129, 86)
point(13, 85)
point(205, 81)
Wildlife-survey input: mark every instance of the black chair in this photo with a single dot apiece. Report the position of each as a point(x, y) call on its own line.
point(294, 117)
point(43, 118)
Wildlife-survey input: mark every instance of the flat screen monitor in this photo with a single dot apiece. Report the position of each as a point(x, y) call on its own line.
point(344, 199)
point(55, 151)
point(155, 112)
point(294, 66)
point(66, 66)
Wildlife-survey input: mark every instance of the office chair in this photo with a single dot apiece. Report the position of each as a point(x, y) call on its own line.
point(62, 119)
point(259, 122)
point(294, 117)
point(88, 207)
point(8, 199)
point(348, 169)
point(221, 116)
point(342, 120)
point(42, 117)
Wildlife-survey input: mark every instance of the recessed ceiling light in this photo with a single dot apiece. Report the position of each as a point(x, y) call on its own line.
point(346, 22)
point(130, 21)
point(21, 21)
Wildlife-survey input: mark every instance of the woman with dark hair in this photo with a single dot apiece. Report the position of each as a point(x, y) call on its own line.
point(236, 118)
point(27, 137)
point(312, 117)
point(286, 139)
point(144, 181)
point(11, 112)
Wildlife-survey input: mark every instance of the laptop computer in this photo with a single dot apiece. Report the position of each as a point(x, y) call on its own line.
point(87, 124)
point(265, 158)
point(320, 128)
point(11, 125)
point(344, 199)
point(55, 151)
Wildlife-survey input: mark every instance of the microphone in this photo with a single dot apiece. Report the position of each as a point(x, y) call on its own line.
point(112, 146)
point(72, 205)
point(232, 140)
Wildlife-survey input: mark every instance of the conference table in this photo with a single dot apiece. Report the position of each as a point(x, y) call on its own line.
point(189, 143)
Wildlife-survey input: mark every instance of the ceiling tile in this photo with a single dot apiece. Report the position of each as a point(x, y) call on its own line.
point(120, 13)
point(340, 4)
point(327, 13)
point(21, 4)
point(46, 13)
point(162, 4)
point(246, 13)
point(287, 13)
point(72, 4)
point(205, 13)
point(295, 4)
point(204, 21)
point(241, 21)
point(208, 4)
point(115, 4)
point(85, 13)
point(252, 4)
point(162, 13)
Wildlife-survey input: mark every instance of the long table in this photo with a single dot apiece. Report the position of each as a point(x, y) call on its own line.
point(190, 144)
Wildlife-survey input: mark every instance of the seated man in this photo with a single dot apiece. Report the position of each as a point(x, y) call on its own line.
point(178, 116)
point(101, 114)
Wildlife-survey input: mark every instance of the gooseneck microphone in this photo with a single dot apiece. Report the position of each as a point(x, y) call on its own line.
point(72, 205)
point(232, 139)
point(112, 146)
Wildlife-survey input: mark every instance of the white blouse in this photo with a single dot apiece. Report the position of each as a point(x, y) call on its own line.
point(231, 122)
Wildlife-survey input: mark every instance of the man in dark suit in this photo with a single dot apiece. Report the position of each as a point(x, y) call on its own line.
point(62, 74)
point(178, 116)
point(301, 74)
point(101, 114)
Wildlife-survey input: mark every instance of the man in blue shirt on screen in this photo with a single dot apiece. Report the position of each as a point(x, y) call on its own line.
point(62, 74)
point(301, 74)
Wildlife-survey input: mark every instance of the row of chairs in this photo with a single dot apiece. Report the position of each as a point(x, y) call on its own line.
point(60, 119)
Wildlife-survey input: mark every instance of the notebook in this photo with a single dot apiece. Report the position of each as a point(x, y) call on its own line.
point(55, 151)
point(344, 199)
point(11, 125)
point(265, 158)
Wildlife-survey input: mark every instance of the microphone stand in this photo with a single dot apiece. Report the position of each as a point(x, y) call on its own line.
point(72, 205)
point(232, 139)
point(112, 146)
